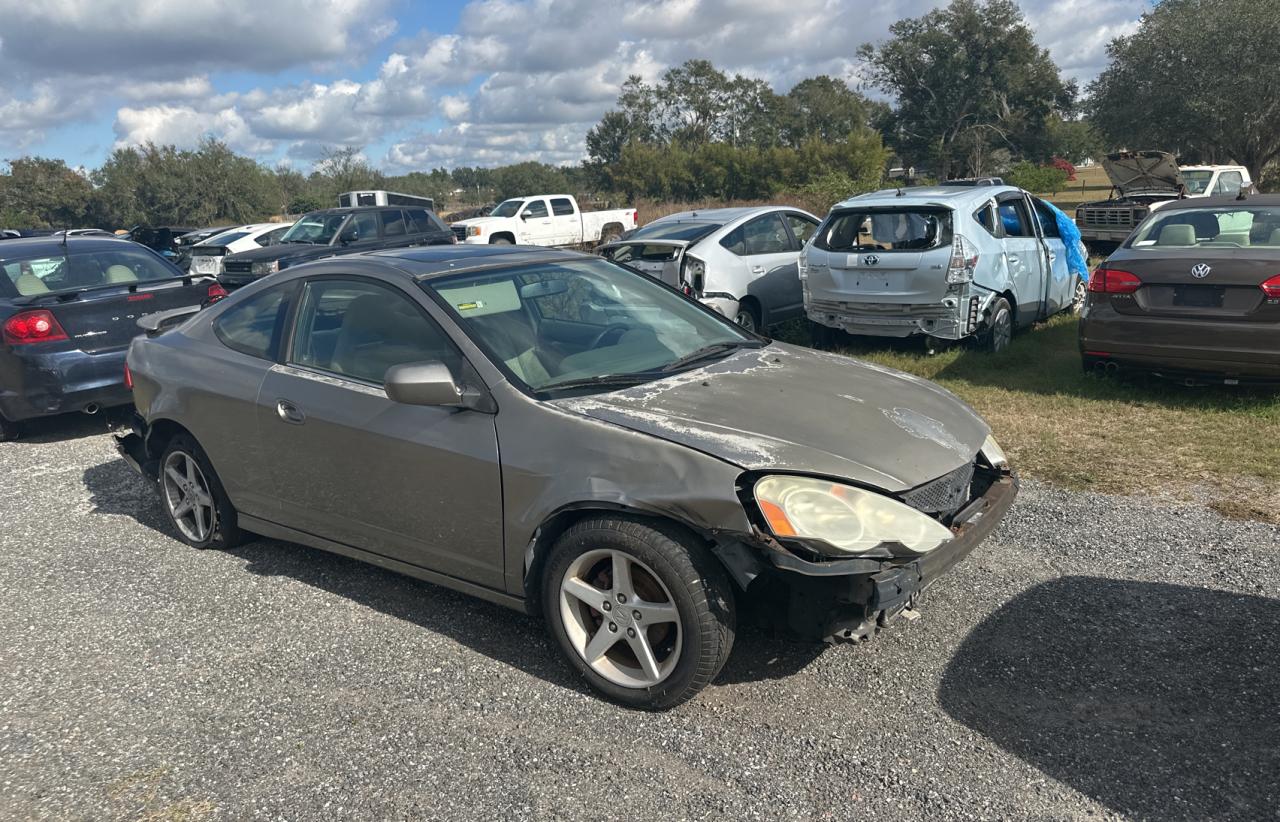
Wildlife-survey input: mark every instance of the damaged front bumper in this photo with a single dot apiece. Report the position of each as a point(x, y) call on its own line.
point(848, 599)
point(956, 316)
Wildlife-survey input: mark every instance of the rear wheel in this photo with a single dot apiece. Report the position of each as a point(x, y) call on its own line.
point(1078, 297)
point(639, 609)
point(193, 497)
point(999, 331)
point(748, 317)
point(8, 429)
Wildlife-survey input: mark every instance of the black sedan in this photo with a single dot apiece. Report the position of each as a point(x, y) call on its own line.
point(68, 310)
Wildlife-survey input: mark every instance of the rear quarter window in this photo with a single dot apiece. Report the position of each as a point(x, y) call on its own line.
point(887, 229)
point(256, 325)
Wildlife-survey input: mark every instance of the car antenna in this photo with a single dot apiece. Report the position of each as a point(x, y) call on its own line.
point(65, 231)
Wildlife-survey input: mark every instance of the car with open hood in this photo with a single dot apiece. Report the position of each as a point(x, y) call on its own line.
point(334, 232)
point(1193, 295)
point(565, 436)
point(1146, 181)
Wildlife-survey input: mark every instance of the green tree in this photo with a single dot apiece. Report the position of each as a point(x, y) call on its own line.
point(1036, 179)
point(1197, 77)
point(345, 169)
point(826, 108)
point(527, 178)
point(966, 79)
point(39, 192)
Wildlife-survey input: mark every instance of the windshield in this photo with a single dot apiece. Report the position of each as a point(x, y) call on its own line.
point(885, 229)
point(507, 208)
point(45, 273)
point(1211, 227)
point(226, 238)
point(315, 228)
point(1197, 181)
point(689, 232)
point(553, 323)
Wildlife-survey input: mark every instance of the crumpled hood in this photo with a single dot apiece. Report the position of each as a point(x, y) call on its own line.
point(1132, 172)
point(791, 409)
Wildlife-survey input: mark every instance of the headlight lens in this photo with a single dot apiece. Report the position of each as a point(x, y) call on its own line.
point(993, 453)
point(263, 269)
point(849, 519)
point(473, 231)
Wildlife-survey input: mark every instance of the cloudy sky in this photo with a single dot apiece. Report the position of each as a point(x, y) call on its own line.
point(419, 83)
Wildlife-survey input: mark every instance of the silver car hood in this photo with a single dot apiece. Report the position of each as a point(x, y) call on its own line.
point(1143, 172)
point(783, 408)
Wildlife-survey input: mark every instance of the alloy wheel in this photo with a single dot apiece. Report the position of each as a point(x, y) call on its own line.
point(1077, 301)
point(746, 319)
point(186, 493)
point(620, 618)
point(1001, 330)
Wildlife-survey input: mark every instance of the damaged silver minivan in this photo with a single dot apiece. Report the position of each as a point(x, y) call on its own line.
point(568, 437)
point(949, 262)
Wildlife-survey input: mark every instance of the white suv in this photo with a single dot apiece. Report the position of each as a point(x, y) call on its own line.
point(946, 262)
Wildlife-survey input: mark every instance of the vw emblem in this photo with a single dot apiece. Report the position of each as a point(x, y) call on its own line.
point(1200, 271)
point(870, 259)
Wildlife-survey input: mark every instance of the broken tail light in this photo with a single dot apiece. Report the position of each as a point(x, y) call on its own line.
point(964, 259)
point(33, 327)
point(216, 292)
point(128, 377)
point(1113, 281)
point(1271, 287)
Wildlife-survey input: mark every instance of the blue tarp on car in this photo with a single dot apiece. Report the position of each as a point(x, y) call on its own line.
point(1077, 257)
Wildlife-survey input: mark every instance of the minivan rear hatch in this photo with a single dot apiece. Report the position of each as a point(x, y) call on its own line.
point(882, 254)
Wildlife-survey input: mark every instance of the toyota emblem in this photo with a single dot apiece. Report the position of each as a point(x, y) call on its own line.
point(870, 259)
point(1200, 271)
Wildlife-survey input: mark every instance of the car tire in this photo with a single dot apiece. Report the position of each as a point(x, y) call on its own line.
point(207, 519)
point(749, 318)
point(1078, 297)
point(682, 594)
point(9, 430)
point(500, 241)
point(999, 331)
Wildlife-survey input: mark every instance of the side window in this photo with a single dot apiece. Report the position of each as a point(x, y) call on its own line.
point(562, 207)
point(272, 237)
point(733, 242)
point(765, 235)
point(1014, 218)
point(365, 225)
point(1048, 220)
point(419, 221)
point(535, 209)
point(393, 223)
point(802, 227)
point(359, 329)
point(984, 218)
point(254, 327)
point(1229, 182)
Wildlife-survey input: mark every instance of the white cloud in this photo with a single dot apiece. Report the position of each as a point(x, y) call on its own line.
point(185, 126)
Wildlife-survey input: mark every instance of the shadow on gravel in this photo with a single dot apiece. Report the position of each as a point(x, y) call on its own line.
point(1158, 700)
point(502, 634)
point(64, 427)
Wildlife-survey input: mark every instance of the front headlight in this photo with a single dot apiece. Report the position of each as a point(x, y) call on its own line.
point(993, 453)
point(263, 269)
point(848, 519)
point(473, 231)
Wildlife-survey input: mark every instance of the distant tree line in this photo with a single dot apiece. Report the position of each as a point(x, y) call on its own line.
point(968, 93)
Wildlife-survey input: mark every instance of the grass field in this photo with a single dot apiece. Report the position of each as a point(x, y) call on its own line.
point(1126, 436)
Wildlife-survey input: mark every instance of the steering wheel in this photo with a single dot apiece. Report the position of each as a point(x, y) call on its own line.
point(612, 328)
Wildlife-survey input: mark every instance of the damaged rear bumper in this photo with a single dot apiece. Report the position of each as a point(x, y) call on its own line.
point(848, 599)
point(955, 317)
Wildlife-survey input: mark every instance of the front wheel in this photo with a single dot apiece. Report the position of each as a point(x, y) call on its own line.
point(501, 241)
point(748, 317)
point(193, 497)
point(639, 609)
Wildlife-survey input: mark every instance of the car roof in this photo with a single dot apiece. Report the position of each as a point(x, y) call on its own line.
point(1232, 201)
point(78, 244)
point(952, 196)
point(718, 215)
point(423, 262)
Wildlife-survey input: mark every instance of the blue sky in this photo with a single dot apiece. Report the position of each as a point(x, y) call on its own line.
point(420, 84)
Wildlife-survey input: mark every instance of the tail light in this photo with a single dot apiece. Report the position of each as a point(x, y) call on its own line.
point(33, 327)
point(216, 292)
point(635, 216)
point(1271, 287)
point(128, 377)
point(964, 259)
point(1114, 281)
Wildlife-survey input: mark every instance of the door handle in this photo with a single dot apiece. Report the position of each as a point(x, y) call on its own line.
point(1013, 258)
point(757, 269)
point(289, 412)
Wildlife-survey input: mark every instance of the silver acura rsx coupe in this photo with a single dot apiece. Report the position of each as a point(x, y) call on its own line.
point(569, 437)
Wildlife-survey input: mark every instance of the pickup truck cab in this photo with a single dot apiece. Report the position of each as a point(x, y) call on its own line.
point(546, 220)
point(332, 232)
point(946, 262)
point(1146, 181)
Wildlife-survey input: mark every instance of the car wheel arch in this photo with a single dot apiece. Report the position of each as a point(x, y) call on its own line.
point(161, 431)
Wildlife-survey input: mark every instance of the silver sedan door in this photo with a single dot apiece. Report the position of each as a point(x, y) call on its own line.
point(1023, 254)
point(415, 483)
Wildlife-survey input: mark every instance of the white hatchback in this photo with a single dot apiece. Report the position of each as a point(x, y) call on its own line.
point(741, 262)
point(206, 256)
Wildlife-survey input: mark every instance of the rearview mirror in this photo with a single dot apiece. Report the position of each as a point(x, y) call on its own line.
point(422, 383)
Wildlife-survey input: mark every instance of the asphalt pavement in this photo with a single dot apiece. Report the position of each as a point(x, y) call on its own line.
point(1099, 657)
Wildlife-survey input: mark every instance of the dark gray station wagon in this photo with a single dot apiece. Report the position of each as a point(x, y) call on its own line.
point(562, 435)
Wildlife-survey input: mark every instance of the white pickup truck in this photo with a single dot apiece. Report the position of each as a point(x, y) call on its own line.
point(544, 219)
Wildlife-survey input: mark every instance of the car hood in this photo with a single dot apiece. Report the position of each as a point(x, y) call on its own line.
point(1134, 172)
point(783, 408)
point(288, 253)
point(482, 221)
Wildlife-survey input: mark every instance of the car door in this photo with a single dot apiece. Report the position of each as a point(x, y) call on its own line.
point(769, 252)
point(361, 233)
point(567, 222)
point(414, 483)
point(1023, 255)
point(1060, 283)
point(535, 223)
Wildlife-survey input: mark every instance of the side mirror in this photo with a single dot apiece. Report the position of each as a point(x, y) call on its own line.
point(349, 235)
point(422, 383)
point(524, 215)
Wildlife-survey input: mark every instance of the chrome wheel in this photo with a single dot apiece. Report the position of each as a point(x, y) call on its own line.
point(1077, 301)
point(620, 618)
point(187, 496)
point(746, 319)
point(1001, 329)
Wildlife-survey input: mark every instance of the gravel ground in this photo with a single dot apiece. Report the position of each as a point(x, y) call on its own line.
point(1099, 657)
